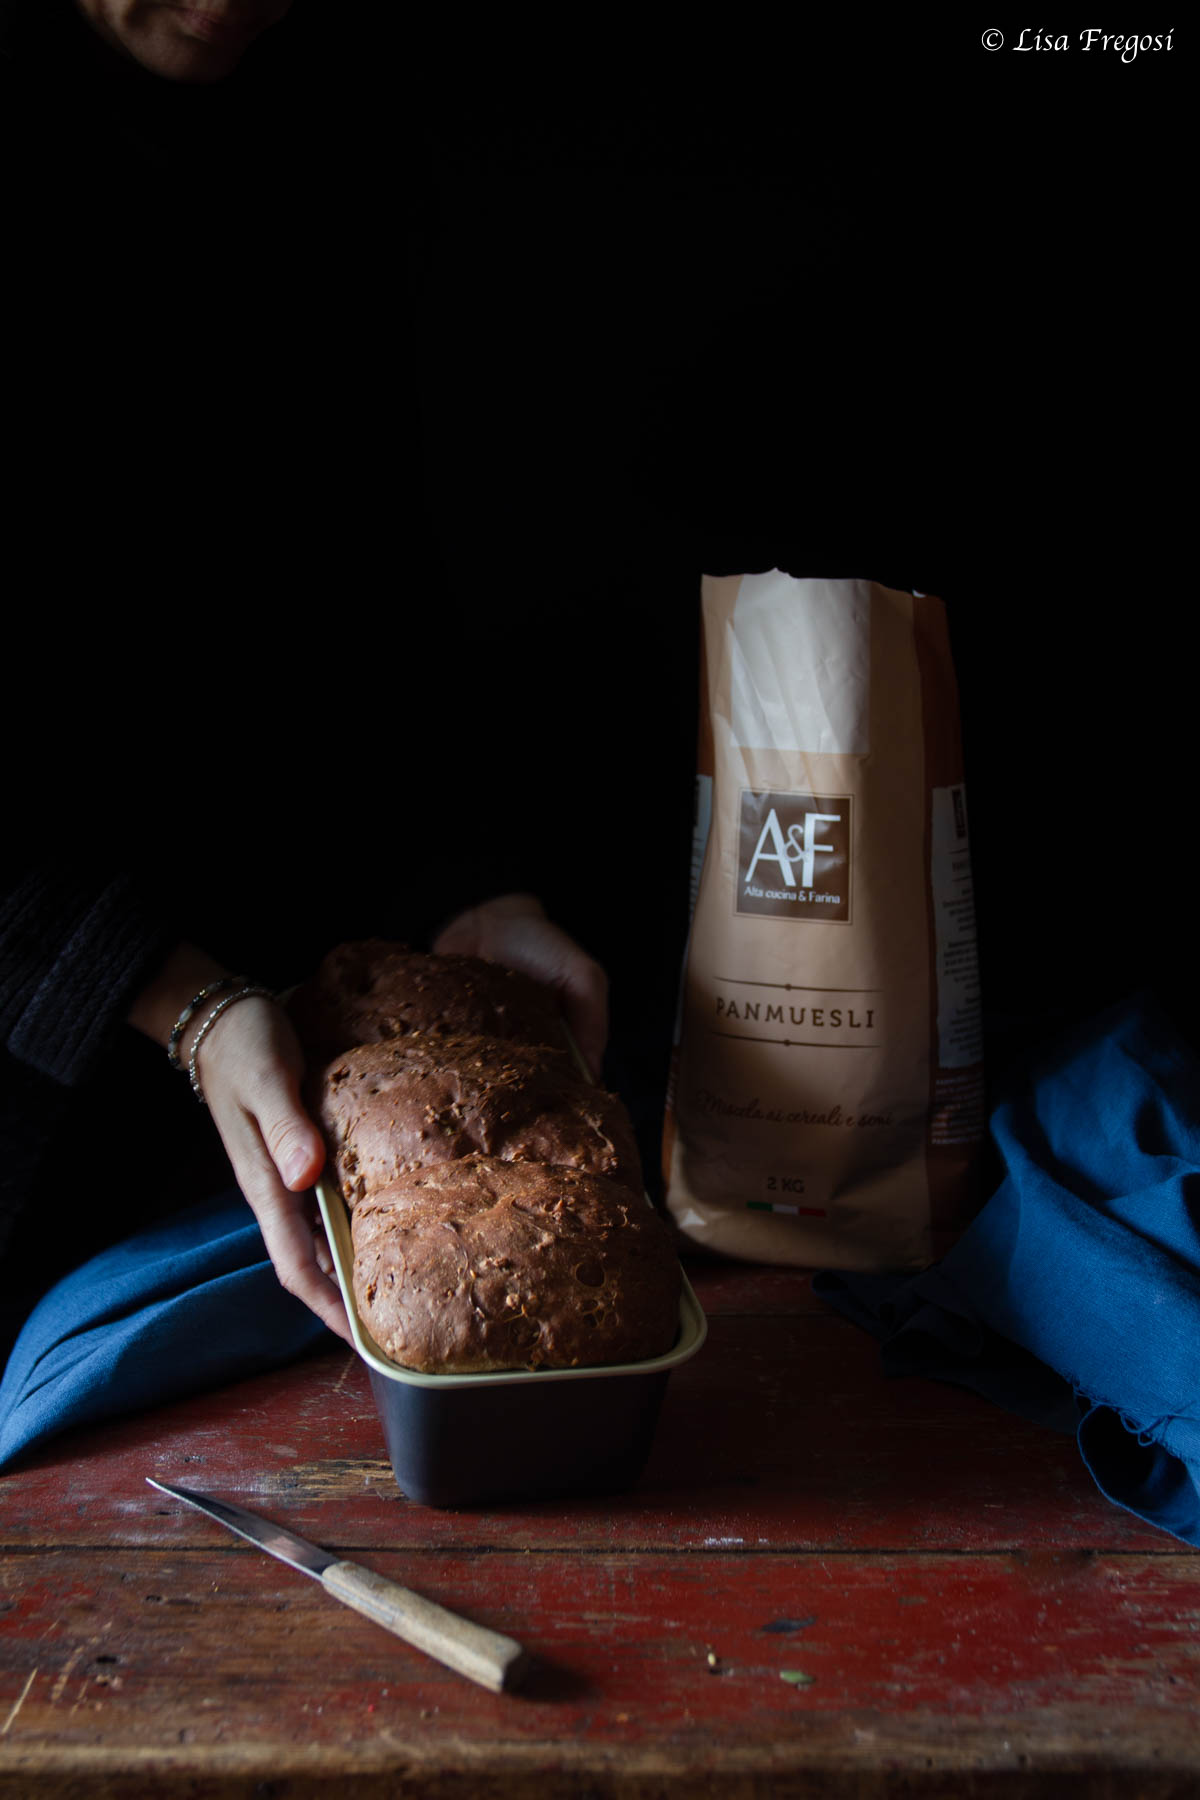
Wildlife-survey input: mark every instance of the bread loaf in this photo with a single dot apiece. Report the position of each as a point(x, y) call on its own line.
point(497, 1208)
point(387, 1108)
point(482, 1265)
point(374, 990)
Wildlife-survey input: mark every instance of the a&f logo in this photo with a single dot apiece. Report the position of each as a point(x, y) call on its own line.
point(794, 856)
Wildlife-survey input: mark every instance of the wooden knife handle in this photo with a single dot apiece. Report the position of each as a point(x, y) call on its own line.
point(496, 1662)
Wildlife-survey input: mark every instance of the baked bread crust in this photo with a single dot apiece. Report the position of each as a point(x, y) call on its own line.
point(373, 990)
point(481, 1265)
point(387, 1108)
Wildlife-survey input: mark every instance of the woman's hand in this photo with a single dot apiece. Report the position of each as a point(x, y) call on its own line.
point(515, 931)
point(249, 1066)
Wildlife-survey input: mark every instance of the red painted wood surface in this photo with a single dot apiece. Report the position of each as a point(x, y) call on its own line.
point(826, 1582)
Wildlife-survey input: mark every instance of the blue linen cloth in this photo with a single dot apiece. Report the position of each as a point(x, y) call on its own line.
point(180, 1307)
point(1074, 1296)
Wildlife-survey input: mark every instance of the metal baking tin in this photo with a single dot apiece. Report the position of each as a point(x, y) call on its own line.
point(521, 1434)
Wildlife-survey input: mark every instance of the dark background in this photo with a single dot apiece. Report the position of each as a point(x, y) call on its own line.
point(380, 415)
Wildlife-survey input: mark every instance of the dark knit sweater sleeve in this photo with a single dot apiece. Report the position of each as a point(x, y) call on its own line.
point(75, 947)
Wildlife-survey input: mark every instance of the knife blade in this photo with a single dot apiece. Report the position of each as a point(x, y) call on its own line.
point(493, 1660)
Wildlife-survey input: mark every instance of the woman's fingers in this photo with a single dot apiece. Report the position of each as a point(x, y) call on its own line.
point(285, 1220)
point(249, 1067)
point(544, 951)
point(514, 930)
point(288, 1234)
point(585, 1003)
point(296, 1147)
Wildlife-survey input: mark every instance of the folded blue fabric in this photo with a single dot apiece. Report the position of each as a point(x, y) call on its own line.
point(1074, 1297)
point(184, 1306)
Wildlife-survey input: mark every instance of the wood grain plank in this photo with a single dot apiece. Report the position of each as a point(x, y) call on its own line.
point(825, 1583)
point(781, 1434)
point(198, 1665)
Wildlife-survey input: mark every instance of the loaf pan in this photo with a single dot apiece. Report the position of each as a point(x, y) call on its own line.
point(459, 1440)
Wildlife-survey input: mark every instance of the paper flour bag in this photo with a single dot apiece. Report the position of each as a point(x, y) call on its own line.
point(827, 1086)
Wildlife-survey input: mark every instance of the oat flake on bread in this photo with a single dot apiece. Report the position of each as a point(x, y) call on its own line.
point(826, 1097)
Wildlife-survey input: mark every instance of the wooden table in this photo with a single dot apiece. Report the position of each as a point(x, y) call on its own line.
point(826, 1583)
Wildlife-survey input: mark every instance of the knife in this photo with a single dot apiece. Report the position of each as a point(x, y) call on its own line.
point(496, 1662)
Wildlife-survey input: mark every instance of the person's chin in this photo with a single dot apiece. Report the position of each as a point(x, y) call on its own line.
point(200, 48)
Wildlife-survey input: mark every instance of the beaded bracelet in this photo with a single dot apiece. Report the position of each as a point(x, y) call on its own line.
point(189, 1011)
point(242, 993)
